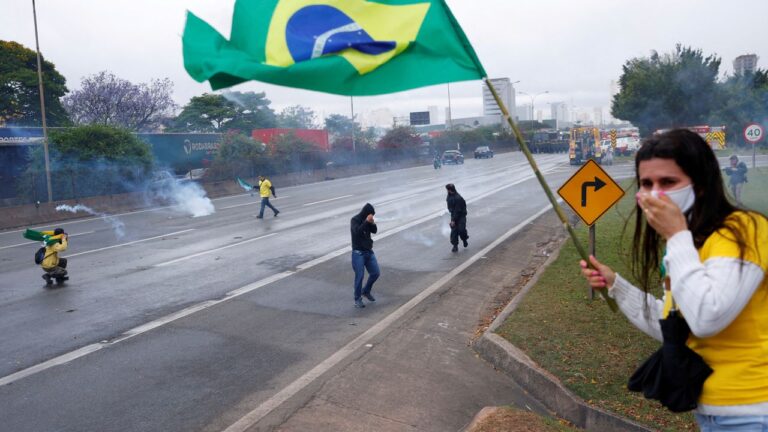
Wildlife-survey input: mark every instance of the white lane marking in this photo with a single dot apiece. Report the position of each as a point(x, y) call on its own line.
point(240, 205)
point(129, 243)
point(327, 200)
point(249, 203)
point(32, 242)
point(385, 174)
point(65, 358)
point(184, 258)
point(255, 415)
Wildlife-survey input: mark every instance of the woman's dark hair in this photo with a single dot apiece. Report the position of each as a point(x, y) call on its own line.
point(710, 210)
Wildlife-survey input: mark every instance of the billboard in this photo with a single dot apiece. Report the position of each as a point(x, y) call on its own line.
point(419, 118)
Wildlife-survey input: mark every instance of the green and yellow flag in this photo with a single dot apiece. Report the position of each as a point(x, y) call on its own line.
point(346, 47)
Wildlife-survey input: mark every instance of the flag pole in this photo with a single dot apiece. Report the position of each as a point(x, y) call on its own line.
point(560, 214)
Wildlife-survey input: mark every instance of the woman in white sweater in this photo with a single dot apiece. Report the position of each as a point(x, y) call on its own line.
point(713, 259)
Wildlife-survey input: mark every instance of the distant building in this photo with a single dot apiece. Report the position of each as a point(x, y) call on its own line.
point(506, 92)
point(523, 113)
point(559, 113)
point(433, 114)
point(598, 116)
point(745, 63)
point(475, 122)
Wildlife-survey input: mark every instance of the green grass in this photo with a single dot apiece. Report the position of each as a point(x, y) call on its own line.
point(590, 349)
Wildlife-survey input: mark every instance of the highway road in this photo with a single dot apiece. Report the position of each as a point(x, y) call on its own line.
point(197, 324)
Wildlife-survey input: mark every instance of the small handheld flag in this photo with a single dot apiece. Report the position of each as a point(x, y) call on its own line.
point(244, 184)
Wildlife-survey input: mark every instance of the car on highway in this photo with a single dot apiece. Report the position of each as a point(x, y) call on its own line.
point(453, 157)
point(483, 152)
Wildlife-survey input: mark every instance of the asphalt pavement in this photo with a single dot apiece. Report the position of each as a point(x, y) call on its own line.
point(226, 321)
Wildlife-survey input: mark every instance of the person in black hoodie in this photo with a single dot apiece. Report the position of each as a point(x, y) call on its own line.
point(458, 209)
point(362, 226)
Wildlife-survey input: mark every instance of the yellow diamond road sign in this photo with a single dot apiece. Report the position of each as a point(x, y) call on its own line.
point(590, 192)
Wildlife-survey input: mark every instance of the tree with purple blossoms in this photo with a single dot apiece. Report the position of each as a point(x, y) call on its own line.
point(106, 99)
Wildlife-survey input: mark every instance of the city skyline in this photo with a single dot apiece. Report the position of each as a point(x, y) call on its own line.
point(573, 50)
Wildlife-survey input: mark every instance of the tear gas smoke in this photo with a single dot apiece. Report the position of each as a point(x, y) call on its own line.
point(117, 225)
point(187, 196)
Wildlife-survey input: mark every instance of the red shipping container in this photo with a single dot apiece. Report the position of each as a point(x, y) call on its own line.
point(318, 137)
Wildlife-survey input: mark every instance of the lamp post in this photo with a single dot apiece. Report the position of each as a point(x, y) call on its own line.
point(42, 109)
point(533, 100)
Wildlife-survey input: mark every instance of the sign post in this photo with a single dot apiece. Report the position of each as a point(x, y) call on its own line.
point(753, 134)
point(591, 192)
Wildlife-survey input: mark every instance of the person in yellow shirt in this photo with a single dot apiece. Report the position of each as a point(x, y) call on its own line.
point(714, 267)
point(265, 189)
point(54, 266)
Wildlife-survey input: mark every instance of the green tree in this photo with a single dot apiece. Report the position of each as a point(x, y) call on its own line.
point(672, 90)
point(743, 99)
point(292, 154)
point(206, 113)
point(400, 137)
point(342, 130)
point(239, 156)
point(253, 111)
point(90, 160)
point(297, 117)
point(19, 91)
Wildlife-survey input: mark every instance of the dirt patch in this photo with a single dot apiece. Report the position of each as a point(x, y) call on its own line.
point(506, 419)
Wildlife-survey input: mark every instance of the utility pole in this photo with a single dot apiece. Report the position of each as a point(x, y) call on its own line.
point(450, 114)
point(42, 108)
point(352, 109)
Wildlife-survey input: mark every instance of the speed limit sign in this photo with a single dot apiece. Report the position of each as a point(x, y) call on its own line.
point(754, 133)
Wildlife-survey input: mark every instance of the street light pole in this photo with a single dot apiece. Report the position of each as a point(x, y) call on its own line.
point(533, 100)
point(352, 108)
point(450, 114)
point(42, 108)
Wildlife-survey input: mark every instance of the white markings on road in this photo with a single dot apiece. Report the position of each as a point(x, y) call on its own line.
point(32, 242)
point(212, 250)
point(129, 243)
point(254, 416)
point(275, 401)
point(327, 200)
point(249, 203)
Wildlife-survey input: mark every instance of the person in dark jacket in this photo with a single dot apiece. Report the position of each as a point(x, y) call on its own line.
point(738, 176)
point(458, 209)
point(362, 226)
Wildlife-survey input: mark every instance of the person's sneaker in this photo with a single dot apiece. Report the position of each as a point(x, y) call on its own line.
point(369, 297)
point(47, 279)
point(359, 303)
point(455, 248)
point(259, 217)
point(466, 243)
point(277, 212)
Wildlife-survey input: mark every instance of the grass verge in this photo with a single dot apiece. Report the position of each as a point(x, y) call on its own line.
point(590, 349)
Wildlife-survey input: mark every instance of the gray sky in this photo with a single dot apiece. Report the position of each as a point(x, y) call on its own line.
point(572, 48)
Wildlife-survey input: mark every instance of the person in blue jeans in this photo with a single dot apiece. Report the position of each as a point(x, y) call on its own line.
point(362, 226)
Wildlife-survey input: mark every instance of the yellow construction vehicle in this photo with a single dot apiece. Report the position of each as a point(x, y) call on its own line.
point(584, 145)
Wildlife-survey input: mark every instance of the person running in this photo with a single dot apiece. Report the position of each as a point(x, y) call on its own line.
point(265, 189)
point(738, 176)
point(362, 226)
point(54, 266)
point(457, 207)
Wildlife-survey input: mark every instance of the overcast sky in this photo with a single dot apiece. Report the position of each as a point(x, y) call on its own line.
point(571, 48)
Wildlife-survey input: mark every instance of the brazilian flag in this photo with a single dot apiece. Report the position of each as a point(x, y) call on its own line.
point(346, 47)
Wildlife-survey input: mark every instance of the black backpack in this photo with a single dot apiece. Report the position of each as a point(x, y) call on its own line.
point(40, 255)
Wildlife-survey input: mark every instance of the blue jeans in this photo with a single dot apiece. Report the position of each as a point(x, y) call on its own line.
point(265, 203)
point(709, 423)
point(362, 260)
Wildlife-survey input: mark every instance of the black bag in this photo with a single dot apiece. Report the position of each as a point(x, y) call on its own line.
point(40, 256)
point(675, 374)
